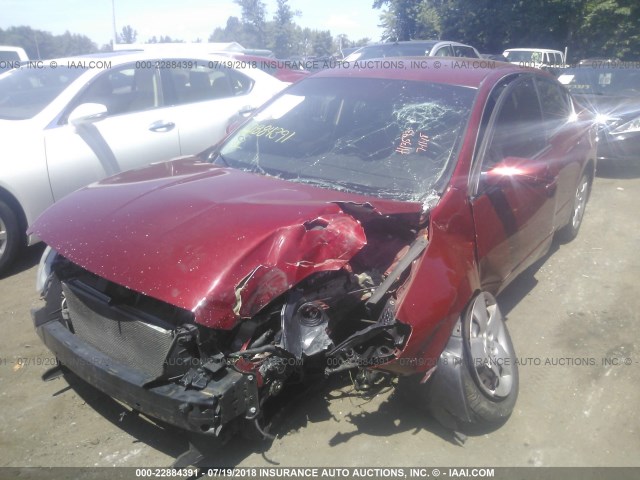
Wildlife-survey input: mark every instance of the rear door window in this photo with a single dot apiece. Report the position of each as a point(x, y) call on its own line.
point(445, 51)
point(556, 105)
point(194, 82)
point(463, 51)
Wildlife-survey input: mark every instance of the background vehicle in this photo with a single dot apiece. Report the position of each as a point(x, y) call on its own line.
point(414, 48)
point(94, 116)
point(612, 92)
point(494, 56)
point(535, 57)
point(10, 57)
point(272, 66)
point(363, 220)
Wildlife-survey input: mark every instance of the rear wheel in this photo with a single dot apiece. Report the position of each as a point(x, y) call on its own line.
point(11, 239)
point(570, 230)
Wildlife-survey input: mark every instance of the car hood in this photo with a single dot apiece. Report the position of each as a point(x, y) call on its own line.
point(611, 106)
point(219, 242)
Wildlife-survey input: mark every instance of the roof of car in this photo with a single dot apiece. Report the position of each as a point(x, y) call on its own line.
point(468, 72)
point(532, 49)
point(122, 56)
point(415, 42)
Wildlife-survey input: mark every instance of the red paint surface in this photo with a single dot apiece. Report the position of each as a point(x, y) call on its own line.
point(190, 234)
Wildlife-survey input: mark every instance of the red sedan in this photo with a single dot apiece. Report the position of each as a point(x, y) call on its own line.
point(364, 220)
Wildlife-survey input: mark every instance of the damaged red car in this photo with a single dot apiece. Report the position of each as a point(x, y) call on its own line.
point(362, 220)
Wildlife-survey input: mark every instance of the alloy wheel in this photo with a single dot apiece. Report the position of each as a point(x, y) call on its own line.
point(580, 202)
point(490, 349)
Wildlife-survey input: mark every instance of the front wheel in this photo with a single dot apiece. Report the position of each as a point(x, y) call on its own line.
point(11, 239)
point(475, 385)
point(492, 388)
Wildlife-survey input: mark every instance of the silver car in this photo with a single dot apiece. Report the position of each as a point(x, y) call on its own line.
point(414, 48)
point(68, 122)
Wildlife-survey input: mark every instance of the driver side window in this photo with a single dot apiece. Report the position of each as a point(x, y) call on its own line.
point(516, 130)
point(124, 90)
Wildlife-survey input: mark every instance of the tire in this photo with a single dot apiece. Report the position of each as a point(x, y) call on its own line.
point(475, 387)
point(11, 238)
point(491, 380)
point(571, 229)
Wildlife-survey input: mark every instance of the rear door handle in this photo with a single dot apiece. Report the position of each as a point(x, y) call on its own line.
point(162, 126)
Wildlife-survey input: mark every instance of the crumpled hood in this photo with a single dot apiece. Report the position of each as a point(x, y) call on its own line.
point(219, 242)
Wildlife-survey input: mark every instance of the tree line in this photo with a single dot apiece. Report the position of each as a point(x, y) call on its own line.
point(281, 34)
point(588, 28)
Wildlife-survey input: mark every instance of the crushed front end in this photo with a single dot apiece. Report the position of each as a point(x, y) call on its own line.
point(159, 360)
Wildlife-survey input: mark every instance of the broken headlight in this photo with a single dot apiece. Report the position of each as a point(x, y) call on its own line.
point(44, 270)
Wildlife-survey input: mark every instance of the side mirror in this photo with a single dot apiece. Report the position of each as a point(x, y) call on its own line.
point(87, 113)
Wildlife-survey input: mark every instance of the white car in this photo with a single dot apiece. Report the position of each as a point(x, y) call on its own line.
point(11, 57)
point(69, 122)
point(414, 48)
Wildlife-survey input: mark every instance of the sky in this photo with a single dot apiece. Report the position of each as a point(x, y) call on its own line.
point(187, 20)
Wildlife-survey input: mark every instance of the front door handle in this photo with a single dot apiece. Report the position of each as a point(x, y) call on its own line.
point(162, 126)
point(551, 187)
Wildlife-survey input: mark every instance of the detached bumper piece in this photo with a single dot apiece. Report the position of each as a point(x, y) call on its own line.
point(206, 407)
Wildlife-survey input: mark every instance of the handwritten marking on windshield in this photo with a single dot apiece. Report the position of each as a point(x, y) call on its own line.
point(406, 142)
point(272, 132)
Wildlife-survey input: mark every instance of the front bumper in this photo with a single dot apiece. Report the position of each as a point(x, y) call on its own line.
point(207, 410)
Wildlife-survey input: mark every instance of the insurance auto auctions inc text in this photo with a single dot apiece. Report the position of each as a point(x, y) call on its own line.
point(351, 472)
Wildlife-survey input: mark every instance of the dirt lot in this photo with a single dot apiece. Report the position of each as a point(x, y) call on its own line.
point(574, 320)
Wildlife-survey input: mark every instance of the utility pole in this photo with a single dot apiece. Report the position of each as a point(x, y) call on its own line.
point(115, 32)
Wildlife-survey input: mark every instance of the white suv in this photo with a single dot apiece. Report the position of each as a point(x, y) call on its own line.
point(535, 57)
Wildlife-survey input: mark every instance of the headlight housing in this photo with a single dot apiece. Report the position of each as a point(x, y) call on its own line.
point(44, 270)
point(628, 127)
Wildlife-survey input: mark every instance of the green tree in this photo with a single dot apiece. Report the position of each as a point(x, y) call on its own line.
point(612, 27)
point(401, 19)
point(43, 45)
point(254, 23)
point(282, 30)
point(321, 43)
point(232, 32)
point(128, 35)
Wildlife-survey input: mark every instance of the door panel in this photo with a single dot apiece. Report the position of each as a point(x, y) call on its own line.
point(514, 204)
point(204, 100)
point(79, 155)
point(136, 131)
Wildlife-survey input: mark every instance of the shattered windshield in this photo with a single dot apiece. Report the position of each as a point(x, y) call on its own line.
point(387, 138)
